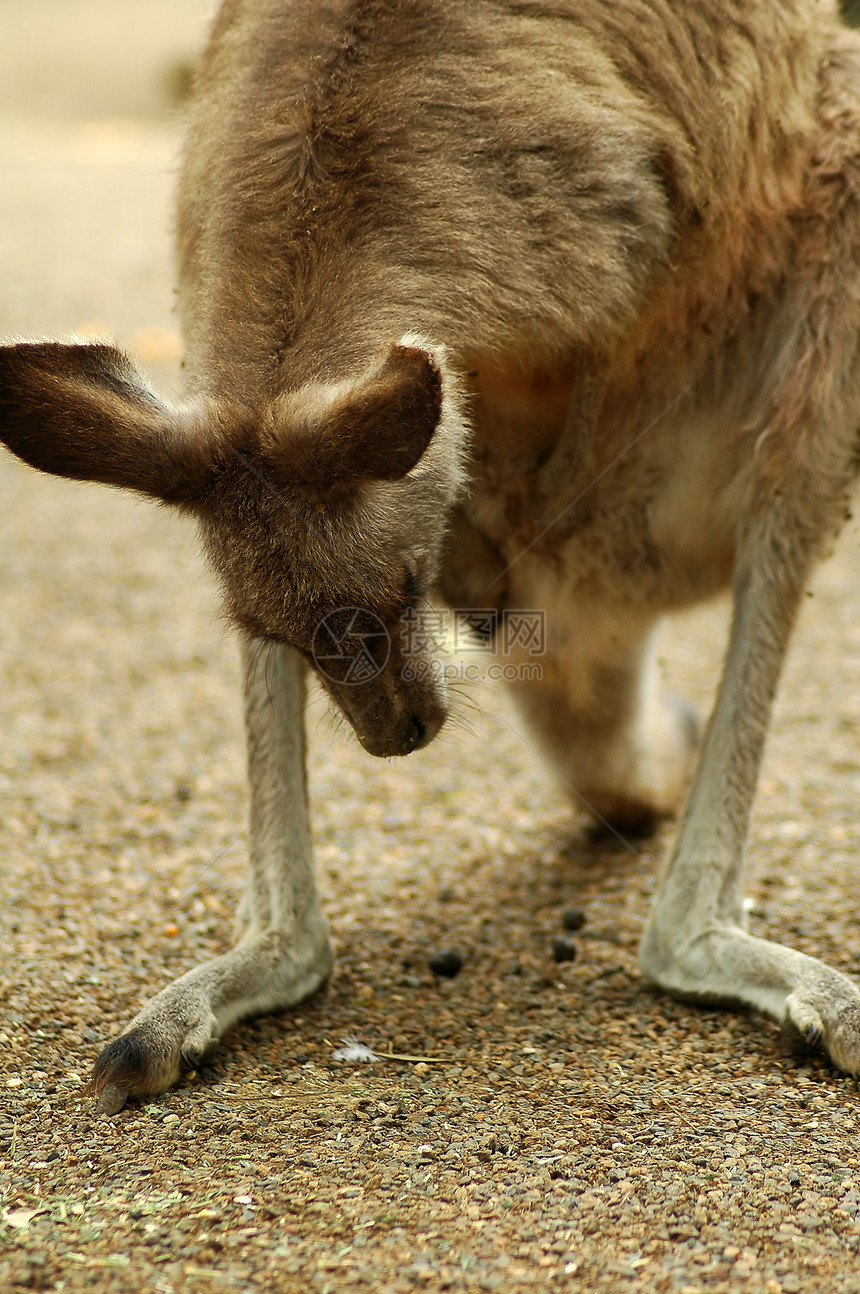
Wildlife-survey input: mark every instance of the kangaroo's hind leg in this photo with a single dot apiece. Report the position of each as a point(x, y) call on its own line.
point(695, 944)
point(282, 951)
point(805, 465)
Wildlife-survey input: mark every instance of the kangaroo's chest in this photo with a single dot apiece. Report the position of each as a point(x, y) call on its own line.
point(634, 495)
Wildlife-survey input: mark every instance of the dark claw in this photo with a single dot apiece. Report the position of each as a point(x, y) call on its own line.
point(113, 1097)
point(192, 1059)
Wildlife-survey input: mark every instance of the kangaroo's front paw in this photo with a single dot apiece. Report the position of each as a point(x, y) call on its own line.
point(646, 780)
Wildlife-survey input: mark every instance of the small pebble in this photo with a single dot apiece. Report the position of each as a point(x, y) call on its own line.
point(446, 962)
point(563, 949)
point(573, 918)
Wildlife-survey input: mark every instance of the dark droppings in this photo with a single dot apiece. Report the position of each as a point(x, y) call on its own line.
point(563, 949)
point(447, 962)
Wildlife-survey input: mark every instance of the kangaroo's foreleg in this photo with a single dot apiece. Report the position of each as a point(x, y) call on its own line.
point(622, 747)
point(282, 952)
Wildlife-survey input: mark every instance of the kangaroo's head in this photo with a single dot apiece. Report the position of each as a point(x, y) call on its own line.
point(323, 510)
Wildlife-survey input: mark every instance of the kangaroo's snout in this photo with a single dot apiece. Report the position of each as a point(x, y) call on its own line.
point(391, 715)
point(414, 733)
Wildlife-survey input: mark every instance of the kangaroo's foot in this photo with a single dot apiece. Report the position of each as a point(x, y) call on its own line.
point(723, 964)
point(178, 1027)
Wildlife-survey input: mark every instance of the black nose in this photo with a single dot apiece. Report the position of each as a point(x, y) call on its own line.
point(415, 734)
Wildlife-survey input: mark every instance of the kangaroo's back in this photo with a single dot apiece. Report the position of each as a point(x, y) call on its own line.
point(506, 177)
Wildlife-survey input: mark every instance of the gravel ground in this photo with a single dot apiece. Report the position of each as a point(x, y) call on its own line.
point(557, 1122)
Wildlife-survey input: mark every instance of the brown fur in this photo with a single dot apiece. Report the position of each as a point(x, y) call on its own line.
point(544, 303)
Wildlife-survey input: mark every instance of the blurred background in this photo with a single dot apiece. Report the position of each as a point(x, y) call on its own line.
point(90, 128)
point(93, 58)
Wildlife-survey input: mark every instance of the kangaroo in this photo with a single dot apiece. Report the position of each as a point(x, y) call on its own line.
point(537, 304)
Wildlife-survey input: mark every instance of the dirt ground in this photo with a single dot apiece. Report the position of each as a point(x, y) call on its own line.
point(560, 1123)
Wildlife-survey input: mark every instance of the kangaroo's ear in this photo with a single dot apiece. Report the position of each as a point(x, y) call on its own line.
point(87, 412)
point(377, 429)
